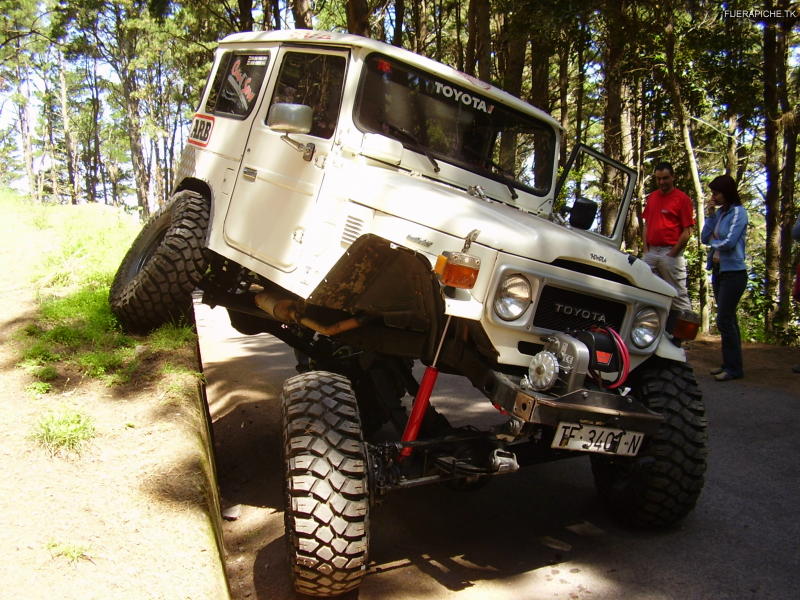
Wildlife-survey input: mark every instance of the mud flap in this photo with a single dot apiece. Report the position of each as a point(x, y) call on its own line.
point(377, 277)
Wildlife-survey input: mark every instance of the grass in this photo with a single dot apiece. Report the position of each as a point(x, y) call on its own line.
point(37, 388)
point(70, 255)
point(80, 248)
point(72, 552)
point(64, 432)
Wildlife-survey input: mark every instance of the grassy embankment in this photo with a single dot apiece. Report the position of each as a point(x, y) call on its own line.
point(73, 338)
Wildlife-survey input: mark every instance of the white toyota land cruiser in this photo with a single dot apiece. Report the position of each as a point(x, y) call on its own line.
point(372, 208)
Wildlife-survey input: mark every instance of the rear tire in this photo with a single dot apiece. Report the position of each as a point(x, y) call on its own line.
point(659, 486)
point(155, 280)
point(327, 488)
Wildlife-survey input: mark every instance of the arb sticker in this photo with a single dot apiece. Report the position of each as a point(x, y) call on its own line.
point(201, 130)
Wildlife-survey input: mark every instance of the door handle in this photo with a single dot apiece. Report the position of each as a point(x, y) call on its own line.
point(249, 173)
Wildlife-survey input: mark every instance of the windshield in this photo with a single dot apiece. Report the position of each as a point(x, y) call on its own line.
point(442, 120)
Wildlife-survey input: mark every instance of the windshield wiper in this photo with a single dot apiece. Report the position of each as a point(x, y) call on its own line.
point(417, 145)
point(504, 174)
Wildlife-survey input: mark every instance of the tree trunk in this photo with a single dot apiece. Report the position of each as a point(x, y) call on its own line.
point(563, 90)
point(612, 114)
point(731, 148)
point(771, 171)
point(472, 35)
point(682, 119)
point(140, 174)
point(790, 130)
point(69, 141)
point(580, 91)
point(245, 15)
point(512, 81)
point(275, 6)
point(541, 51)
point(358, 17)
point(301, 11)
point(94, 150)
point(24, 130)
point(483, 41)
point(632, 233)
point(399, 16)
point(419, 15)
point(49, 146)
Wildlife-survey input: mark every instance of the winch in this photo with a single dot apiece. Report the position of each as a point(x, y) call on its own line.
point(568, 358)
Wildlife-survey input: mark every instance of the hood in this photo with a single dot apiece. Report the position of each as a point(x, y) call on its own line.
point(502, 227)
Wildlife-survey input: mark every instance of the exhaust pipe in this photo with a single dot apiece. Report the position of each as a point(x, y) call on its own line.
point(290, 310)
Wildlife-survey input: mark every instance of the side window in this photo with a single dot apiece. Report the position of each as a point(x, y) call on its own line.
point(316, 81)
point(236, 85)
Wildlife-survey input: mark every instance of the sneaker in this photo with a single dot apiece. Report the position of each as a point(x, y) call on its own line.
point(717, 371)
point(724, 376)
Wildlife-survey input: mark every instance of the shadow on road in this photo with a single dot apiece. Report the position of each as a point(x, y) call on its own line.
point(536, 534)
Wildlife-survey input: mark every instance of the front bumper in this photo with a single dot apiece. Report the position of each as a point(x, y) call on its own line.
point(580, 406)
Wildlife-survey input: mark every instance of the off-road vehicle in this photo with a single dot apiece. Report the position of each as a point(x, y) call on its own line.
point(372, 208)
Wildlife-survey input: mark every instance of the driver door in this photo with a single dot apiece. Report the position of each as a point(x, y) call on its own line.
point(276, 189)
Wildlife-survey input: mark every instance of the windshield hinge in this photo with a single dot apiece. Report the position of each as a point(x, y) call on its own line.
point(477, 191)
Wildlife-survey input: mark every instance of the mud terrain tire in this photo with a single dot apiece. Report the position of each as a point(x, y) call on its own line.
point(327, 491)
point(155, 280)
point(660, 486)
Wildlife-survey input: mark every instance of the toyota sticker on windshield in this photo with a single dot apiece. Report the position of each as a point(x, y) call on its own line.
point(464, 98)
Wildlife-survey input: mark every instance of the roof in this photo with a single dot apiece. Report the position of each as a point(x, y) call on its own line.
point(330, 38)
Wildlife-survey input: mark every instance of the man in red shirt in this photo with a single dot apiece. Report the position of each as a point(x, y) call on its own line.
point(668, 220)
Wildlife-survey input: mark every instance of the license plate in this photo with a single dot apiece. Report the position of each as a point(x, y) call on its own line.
point(591, 438)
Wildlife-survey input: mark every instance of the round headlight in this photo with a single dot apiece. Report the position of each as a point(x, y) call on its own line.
point(513, 298)
point(646, 326)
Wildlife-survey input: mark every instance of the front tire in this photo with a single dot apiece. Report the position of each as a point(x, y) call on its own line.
point(327, 491)
point(155, 280)
point(659, 486)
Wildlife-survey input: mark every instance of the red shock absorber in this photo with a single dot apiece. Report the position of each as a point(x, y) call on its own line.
point(422, 399)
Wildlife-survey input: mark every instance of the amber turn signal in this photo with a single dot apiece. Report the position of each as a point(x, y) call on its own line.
point(685, 330)
point(686, 326)
point(457, 269)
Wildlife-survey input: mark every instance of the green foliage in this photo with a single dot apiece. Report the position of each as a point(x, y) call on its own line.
point(39, 352)
point(64, 432)
point(45, 373)
point(38, 388)
point(85, 244)
point(97, 363)
point(133, 72)
point(72, 552)
point(171, 337)
point(74, 334)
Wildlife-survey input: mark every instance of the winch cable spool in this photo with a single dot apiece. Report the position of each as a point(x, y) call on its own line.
point(624, 355)
point(626, 359)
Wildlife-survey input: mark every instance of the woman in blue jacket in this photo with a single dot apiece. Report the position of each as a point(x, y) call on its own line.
point(724, 234)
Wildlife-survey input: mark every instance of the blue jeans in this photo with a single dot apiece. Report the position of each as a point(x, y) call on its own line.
point(728, 288)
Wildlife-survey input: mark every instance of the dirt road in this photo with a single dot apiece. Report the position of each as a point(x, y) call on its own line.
point(539, 533)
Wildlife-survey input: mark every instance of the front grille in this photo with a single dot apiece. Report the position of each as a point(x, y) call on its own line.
point(561, 310)
point(352, 230)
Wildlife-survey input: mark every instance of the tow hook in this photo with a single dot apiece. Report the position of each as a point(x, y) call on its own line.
point(503, 461)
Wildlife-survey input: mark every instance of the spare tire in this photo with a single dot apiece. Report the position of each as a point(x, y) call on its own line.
point(154, 283)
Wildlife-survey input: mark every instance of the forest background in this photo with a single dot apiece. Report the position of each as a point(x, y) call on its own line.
point(96, 97)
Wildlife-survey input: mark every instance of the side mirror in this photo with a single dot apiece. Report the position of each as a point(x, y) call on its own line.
point(582, 213)
point(292, 118)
